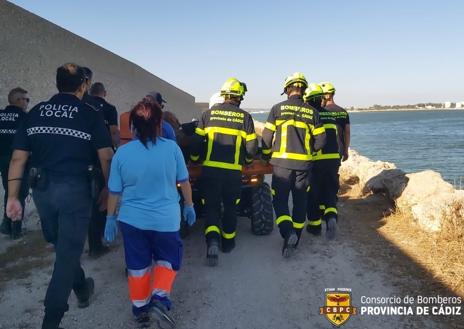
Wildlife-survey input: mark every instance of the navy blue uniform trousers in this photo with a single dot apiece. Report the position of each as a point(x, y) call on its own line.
point(221, 187)
point(64, 205)
point(284, 182)
point(322, 197)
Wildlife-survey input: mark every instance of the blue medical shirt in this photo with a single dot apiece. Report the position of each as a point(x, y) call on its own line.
point(146, 179)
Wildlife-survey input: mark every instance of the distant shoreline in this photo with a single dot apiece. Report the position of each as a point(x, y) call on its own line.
point(404, 110)
point(385, 110)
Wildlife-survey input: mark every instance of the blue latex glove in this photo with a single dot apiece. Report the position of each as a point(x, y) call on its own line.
point(111, 228)
point(189, 214)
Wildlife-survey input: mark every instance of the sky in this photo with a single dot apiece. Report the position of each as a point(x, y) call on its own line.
point(374, 52)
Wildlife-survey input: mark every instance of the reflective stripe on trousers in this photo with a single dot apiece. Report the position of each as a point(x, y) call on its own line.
point(220, 186)
point(152, 259)
point(322, 198)
point(139, 286)
point(284, 182)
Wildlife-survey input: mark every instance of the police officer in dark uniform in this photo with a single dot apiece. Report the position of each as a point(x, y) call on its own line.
point(61, 135)
point(322, 197)
point(291, 134)
point(225, 140)
point(110, 114)
point(96, 99)
point(10, 119)
point(98, 219)
point(87, 98)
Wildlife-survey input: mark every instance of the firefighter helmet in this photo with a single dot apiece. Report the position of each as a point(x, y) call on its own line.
point(327, 87)
point(297, 79)
point(243, 88)
point(313, 90)
point(233, 87)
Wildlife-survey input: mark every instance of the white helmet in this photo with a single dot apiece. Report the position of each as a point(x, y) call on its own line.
point(216, 99)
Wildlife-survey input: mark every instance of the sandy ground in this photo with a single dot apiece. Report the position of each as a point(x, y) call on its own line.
point(253, 287)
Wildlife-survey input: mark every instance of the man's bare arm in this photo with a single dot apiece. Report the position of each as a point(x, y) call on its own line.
point(115, 136)
point(16, 172)
point(14, 208)
point(104, 155)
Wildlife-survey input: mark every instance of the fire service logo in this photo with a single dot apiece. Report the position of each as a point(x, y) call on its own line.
point(338, 308)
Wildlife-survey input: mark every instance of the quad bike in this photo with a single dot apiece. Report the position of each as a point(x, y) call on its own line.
point(256, 196)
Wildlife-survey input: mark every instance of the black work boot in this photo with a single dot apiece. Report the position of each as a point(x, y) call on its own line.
point(314, 229)
point(83, 297)
point(143, 320)
point(227, 245)
point(298, 235)
point(212, 252)
point(160, 308)
point(331, 231)
point(52, 320)
point(289, 245)
point(16, 229)
point(5, 228)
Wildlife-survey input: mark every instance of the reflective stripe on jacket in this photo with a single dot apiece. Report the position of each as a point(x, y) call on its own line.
point(292, 134)
point(331, 149)
point(225, 138)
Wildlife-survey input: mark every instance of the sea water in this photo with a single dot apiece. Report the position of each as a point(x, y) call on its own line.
point(413, 140)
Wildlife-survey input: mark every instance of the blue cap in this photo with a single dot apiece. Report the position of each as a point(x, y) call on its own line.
point(157, 96)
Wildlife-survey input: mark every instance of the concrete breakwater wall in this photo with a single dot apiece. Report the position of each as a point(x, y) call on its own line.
point(432, 202)
point(31, 48)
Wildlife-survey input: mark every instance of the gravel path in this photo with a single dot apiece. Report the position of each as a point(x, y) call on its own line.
point(252, 288)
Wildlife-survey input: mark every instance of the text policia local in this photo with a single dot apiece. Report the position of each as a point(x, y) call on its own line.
point(411, 305)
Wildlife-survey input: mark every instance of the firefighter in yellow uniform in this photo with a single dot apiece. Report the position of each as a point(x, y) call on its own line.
point(342, 116)
point(322, 197)
point(291, 134)
point(225, 140)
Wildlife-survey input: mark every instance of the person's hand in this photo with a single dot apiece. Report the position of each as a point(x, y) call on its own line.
point(14, 210)
point(345, 156)
point(111, 228)
point(189, 214)
point(103, 199)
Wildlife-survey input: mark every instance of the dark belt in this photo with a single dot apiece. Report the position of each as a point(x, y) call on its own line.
point(39, 178)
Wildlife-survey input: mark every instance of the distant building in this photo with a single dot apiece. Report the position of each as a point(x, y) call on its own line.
point(460, 105)
point(447, 105)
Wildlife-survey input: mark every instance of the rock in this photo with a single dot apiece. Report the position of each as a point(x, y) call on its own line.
point(432, 201)
point(423, 185)
point(390, 182)
point(434, 213)
point(362, 169)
